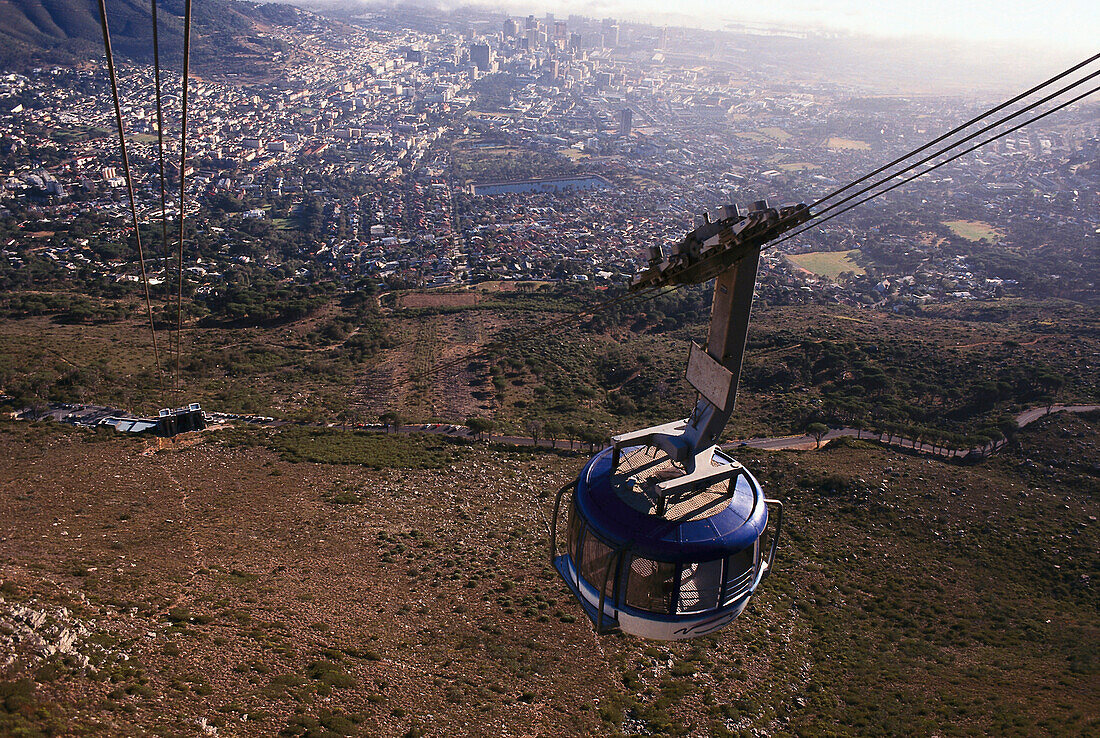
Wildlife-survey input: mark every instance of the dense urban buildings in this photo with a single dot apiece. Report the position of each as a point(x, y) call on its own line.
point(401, 153)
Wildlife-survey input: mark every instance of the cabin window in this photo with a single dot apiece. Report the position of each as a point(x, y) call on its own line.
point(596, 557)
point(650, 585)
point(573, 537)
point(700, 586)
point(740, 574)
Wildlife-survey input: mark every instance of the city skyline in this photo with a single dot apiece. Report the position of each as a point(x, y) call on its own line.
point(1063, 28)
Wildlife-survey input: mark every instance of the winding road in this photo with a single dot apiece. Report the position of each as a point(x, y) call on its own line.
point(782, 443)
point(809, 442)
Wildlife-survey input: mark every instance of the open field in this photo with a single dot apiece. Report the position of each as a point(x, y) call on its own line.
point(974, 230)
point(218, 582)
point(829, 263)
point(776, 134)
point(797, 166)
point(574, 154)
point(81, 133)
point(847, 143)
point(422, 299)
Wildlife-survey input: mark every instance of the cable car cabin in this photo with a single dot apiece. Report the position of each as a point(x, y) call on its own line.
point(666, 569)
point(664, 533)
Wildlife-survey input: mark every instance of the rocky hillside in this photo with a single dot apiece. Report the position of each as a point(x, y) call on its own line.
point(212, 586)
point(46, 32)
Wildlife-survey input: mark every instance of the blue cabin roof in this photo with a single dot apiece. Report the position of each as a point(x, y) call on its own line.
point(733, 528)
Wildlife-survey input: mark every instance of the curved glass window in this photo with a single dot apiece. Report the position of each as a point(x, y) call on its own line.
point(700, 586)
point(573, 536)
point(650, 585)
point(740, 574)
point(596, 558)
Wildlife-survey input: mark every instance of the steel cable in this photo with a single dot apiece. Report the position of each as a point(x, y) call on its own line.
point(163, 179)
point(958, 129)
point(961, 141)
point(183, 180)
point(965, 151)
point(126, 170)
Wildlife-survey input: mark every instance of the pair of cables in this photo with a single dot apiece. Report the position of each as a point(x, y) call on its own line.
point(108, 51)
point(955, 149)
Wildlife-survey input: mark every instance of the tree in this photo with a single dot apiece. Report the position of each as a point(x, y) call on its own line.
point(535, 430)
point(480, 426)
point(1049, 385)
point(573, 433)
point(1009, 427)
point(392, 418)
point(818, 431)
point(553, 431)
point(591, 436)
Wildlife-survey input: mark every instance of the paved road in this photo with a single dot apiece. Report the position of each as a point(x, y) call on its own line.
point(1029, 416)
point(807, 441)
point(780, 443)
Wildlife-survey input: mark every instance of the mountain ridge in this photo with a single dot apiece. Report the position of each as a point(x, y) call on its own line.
point(35, 33)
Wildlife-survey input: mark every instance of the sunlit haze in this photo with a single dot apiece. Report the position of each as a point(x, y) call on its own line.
point(1063, 26)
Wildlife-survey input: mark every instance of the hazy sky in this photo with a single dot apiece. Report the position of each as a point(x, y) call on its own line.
point(1071, 26)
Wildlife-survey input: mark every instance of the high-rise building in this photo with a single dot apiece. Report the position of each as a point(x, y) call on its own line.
point(612, 36)
point(511, 28)
point(626, 116)
point(481, 56)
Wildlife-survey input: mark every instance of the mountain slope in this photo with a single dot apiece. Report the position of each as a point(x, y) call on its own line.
point(43, 32)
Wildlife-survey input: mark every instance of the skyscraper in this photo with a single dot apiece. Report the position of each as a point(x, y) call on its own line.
point(480, 56)
point(626, 116)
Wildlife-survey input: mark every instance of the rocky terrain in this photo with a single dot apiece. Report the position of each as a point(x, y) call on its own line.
point(212, 587)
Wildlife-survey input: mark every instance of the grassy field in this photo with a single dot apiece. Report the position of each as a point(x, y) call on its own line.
point(848, 143)
point(230, 578)
point(974, 230)
point(574, 154)
point(829, 263)
point(797, 166)
point(776, 134)
point(71, 135)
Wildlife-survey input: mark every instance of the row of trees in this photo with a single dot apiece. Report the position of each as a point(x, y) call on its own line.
point(554, 431)
point(983, 441)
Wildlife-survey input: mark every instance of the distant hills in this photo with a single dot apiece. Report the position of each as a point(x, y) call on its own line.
point(224, 32)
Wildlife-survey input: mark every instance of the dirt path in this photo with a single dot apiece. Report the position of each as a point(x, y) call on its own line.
point(990, 343)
